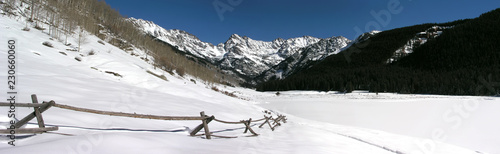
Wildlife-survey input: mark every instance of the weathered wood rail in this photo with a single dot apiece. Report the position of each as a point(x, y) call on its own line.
point(39, 108)
point(132, 115)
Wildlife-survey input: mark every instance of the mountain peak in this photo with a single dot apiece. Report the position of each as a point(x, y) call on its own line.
point(235, 36)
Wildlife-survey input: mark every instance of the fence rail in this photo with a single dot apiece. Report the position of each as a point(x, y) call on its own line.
point(132, 115)
point(39, 108)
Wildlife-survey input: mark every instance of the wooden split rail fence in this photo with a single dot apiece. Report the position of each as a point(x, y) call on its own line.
point(39, 108)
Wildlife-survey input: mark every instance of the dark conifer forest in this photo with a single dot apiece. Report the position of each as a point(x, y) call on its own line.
point(464, 60)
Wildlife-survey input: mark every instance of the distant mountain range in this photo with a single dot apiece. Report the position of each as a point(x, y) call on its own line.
point(252, 61)
point(448, 58)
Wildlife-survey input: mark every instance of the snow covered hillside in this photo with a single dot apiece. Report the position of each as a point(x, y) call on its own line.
point(115, 80)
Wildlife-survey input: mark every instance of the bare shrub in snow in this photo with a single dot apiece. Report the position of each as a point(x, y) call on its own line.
point(180, 71)
point(214, 88)
point(71, 49)
point(39, 28)
point(163, 77)
point(48, 44)
point(92, 52)
point(114, 73)
point(101, 42)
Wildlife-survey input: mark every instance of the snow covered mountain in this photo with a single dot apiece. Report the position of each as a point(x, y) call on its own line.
point(304, 56)
point(243, 56)
point(182, 40)
point(252, 57)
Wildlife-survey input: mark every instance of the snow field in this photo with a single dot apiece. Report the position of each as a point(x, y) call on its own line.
point(466, 121)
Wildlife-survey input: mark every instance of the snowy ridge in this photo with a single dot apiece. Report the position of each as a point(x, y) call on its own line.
point(306, 55)
point(363, 37)
point(252, 57)
point(419, 39)
point(239, 54)
point(181, 39)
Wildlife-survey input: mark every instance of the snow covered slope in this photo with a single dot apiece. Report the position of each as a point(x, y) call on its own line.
point(53, 74)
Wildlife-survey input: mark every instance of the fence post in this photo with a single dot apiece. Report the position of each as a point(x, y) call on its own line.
point(269, 123)
point(205, 126)
point(248, 128)
point(267, 119)
point(277, 120)
point(32, 115)
point(247, 124)
point(38, 114)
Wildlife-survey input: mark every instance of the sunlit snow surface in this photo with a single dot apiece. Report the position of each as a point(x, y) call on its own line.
point(53, 76)
point(465, 121)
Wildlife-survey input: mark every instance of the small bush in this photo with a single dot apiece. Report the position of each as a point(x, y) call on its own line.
point(230, 94)
point(170, 72)
point(180, 71)
point(71, 49)
point(26, 29)
point(163, 77)
point(39, 28)
point(48, 44)
point(194, 81)
point(101, 42)
point(214, 88)
point(64, 53)
point(115, 74)
point(78, 58)
point(92, 52)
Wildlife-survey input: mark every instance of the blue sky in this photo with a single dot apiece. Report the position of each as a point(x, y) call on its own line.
point(270, 19)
